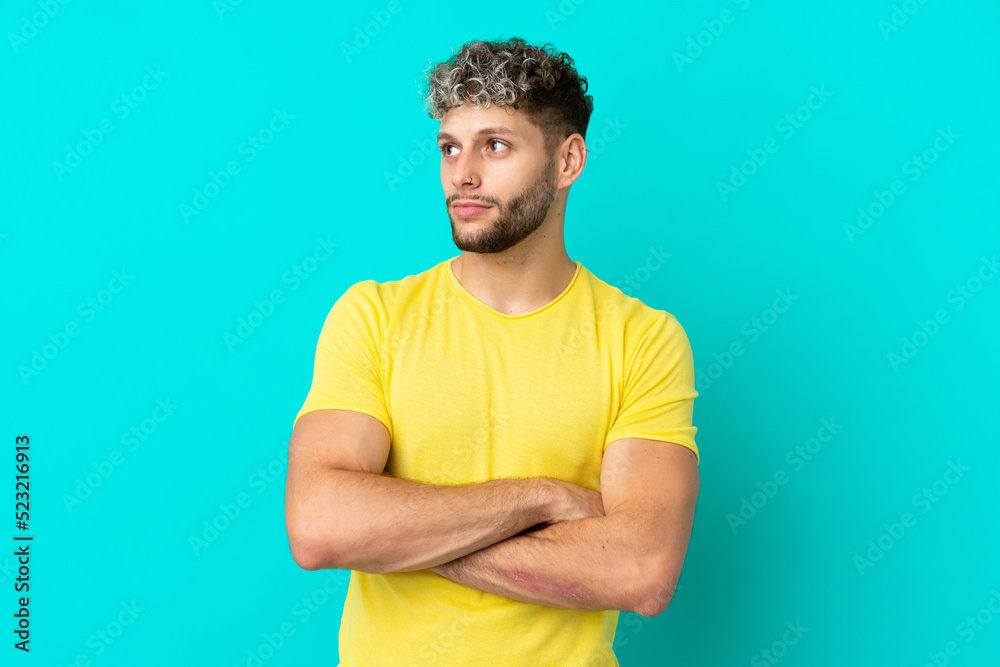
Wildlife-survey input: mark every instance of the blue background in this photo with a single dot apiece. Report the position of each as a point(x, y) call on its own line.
point(685, 95)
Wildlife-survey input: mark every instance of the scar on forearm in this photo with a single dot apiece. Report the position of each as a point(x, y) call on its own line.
point(540, 584)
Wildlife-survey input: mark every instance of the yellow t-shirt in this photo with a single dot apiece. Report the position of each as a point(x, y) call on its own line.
point(469, 394)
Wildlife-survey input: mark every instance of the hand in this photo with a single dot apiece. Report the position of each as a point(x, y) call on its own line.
point(574, 502)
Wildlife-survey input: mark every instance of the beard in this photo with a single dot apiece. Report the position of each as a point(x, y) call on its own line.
point(518, 218)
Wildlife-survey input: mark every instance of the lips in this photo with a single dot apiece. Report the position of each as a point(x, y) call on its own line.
point(469, 210)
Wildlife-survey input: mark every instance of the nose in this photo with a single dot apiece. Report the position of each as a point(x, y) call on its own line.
point(465, 171)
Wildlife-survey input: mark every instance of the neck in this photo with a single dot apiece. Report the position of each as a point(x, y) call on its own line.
point(515, 281)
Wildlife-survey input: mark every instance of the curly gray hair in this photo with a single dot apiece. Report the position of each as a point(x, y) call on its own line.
point(538, 80)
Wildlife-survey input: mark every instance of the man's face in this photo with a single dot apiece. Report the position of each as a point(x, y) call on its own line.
point(496, 158)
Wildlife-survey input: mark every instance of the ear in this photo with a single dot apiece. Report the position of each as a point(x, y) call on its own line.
point(571, 156)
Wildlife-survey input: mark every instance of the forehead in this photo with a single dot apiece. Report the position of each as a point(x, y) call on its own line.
point(468, 123)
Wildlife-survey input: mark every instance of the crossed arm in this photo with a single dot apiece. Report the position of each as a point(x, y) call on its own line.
point(629, 559)
point(626, 553)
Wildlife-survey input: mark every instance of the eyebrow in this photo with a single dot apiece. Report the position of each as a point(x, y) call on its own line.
point(496, 130)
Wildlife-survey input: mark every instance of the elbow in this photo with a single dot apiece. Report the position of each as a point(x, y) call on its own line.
point(312, 554)
point(656, 590)
point(303, 553)
point(305, 557)
point(653, 605)
point(306, 552)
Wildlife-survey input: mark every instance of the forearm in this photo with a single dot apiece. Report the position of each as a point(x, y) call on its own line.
point(582, 564)
point(375, 523)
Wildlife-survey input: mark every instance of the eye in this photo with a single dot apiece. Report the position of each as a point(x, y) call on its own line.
point(445, 147)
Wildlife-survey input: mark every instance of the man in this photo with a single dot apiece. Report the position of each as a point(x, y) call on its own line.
point(499, 448)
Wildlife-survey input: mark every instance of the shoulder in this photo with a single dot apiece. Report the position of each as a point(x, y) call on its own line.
point(382, 297)
point(636, 318)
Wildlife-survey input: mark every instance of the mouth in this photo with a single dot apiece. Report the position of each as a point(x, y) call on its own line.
point(469, 210)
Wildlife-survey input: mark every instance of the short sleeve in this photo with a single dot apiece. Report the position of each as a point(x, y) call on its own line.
point(658, 396)
point(347, 369)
